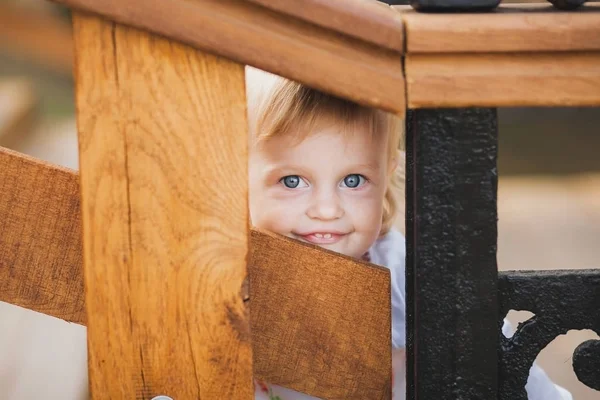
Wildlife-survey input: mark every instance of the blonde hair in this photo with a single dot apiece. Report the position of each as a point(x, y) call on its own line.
point(279, 106)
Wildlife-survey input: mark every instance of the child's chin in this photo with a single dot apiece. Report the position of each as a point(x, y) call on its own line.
point(341, 249)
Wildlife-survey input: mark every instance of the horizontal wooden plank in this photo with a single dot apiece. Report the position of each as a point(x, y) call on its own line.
point(510, 28)
point(503, 80)
point(40, 237)
point(310, 309)
point(37, 37)
point(245, 32)
point(321, 323)
point(371, 21)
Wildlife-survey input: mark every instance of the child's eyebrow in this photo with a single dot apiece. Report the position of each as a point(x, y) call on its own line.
point(371, 166)
point(277, 171)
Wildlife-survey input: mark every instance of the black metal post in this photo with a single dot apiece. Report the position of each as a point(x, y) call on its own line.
point(451, 275)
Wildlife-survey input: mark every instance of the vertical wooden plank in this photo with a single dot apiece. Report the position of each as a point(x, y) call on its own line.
point(163, 159)
point(452, 277)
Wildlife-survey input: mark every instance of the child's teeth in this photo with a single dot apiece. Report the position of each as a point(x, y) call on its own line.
point(323, 235)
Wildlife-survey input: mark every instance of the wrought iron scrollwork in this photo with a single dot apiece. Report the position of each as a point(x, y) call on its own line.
point(561, 301)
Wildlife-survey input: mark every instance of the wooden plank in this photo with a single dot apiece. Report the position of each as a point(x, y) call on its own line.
point(503, 80)
point(40, 241)
point(163, 157)
point(510, 28)
point(250, 34)
point(321, 323)
point(36, 36)
point(347, 304)
point(371, 21)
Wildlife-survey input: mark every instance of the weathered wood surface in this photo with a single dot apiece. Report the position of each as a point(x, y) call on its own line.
point(248, 33)
point(321, 322)
point(40, 237)
point(163, 159)
point(304, 316)
point(509, 28)
point(503, 80)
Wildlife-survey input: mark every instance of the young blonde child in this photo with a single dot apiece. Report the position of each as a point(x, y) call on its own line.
point(329, 172)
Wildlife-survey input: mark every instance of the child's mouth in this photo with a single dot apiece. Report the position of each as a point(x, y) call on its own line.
point(323, 237)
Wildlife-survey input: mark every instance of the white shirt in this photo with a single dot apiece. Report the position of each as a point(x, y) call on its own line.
point(390, 251)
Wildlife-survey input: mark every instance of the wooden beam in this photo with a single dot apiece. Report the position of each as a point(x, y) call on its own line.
point(242, 31)
point(163, 158)
point(304, 317)
point(509, 28)
point(371, 21)
point(40, 237)
point(518, 55)
point(503, 80)
point(321, 323)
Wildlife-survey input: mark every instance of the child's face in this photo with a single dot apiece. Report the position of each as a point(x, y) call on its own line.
point(327, 190)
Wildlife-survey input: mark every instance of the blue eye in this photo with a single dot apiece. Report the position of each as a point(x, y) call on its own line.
point(354, 180)
point(292, 181)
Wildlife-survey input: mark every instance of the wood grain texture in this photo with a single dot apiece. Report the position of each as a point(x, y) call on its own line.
point(503, 80)
point(163, 157)
point(510, 28)
point(321, 323)
point(40, 237)
point(368, 20)
point(250, 34)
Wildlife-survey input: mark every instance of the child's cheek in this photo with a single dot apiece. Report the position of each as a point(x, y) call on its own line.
point(280, 216)
point(365, 208)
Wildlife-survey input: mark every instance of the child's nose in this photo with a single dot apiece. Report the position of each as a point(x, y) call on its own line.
point(326, 205)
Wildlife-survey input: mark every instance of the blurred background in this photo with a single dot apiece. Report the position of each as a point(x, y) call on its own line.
point(549, 198)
